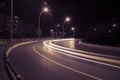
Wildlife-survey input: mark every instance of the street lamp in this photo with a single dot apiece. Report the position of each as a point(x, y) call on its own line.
point(51, 30)
point(57, 30)
point(67, 19)
point(45, 9)
point(73, 29)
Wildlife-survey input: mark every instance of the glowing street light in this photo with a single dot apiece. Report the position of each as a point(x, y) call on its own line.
point(72, 28)
point(67, 19)
point(51, 30)
point(45, 10)
point(114, 25)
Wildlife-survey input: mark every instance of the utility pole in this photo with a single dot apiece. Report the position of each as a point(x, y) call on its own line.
point(11, 31)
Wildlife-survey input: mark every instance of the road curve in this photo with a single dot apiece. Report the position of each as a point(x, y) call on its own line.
point(35, 61)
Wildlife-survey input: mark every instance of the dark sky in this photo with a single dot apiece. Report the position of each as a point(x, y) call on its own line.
point(82, 12)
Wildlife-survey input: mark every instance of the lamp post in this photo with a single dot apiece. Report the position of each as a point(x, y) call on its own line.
point(52, 32)
point(67, 19)
point(73, 29)
point(11, 31)
point(57, 30)
point(45, 9)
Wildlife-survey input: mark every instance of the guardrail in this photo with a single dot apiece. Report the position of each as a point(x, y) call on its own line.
point(8, 41)
point(12, 74)
point(101, 46)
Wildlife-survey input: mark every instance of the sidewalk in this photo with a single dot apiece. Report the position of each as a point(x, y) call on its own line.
point(3, 74)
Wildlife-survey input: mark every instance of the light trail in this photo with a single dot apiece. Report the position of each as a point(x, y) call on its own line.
point(83, 55)
point(75, 50)
point(77, 55)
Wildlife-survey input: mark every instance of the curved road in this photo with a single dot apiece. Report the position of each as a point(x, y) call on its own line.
point(35, 61)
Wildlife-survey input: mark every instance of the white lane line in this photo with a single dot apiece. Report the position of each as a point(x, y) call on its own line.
point(62, 52)
point(67, 67)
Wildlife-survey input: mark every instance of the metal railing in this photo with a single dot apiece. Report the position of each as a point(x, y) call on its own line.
point(12, 74)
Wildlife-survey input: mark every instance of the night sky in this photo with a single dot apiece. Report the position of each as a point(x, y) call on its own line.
point(82, 12)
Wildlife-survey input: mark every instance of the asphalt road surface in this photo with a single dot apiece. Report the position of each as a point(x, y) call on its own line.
point(38, 61)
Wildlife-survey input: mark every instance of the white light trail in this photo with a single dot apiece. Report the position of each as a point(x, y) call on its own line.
point(77, 55)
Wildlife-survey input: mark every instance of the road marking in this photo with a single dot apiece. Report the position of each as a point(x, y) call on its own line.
point(74, 56)
point(67, 67)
